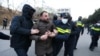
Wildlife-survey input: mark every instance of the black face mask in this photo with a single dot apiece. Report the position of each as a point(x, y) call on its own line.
point(29, 15)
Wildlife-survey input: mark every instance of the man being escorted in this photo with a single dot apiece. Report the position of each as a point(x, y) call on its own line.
point(43, 40)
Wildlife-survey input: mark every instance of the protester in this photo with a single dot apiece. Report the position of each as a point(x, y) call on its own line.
point(43, 40)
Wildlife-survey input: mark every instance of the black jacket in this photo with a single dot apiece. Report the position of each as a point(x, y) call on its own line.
point(73, 27)
point(4, 36)
point(20, 28)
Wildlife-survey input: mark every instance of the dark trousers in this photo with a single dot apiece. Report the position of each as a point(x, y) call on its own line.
point(57, 45)
point(94, 41)
point(21, 51)
point(76, 39)
point(46, 55)
point(69, 46)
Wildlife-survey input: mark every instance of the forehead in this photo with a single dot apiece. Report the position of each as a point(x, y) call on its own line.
point(45, 13)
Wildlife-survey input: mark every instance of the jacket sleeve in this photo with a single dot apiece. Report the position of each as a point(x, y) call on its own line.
point(16, 28)
point(61, 37)
point(73, 30)
point(35, 36)
point(4, 36)
point(53, 26)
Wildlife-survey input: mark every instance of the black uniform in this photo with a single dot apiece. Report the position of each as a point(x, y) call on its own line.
point(70, 43)
point(63, 37)
point(79, 29)
point(95, 33)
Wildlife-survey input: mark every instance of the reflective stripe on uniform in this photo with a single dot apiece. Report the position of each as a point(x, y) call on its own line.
point(79, 23)
point(95, 29)
point(63, 31)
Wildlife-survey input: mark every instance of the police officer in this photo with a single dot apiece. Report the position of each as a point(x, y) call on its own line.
point(95, 33)
point(70, 43)
point(79, 29)
point(64, 30)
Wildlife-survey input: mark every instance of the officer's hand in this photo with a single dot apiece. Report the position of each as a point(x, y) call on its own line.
point(52, 34)
point(34, 31)
point(55, 31)
point(44, 37)
point(48, 33)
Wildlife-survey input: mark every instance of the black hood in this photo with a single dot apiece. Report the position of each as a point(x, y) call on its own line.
point(28, 11)
point(55, 17)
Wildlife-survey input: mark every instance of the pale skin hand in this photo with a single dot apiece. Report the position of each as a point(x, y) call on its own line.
point(34, 31)
point(50, 34)
point(55, 31)
point(44, 37)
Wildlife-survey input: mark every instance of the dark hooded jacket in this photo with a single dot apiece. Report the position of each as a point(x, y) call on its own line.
point(20, 28)
point(4, 36)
